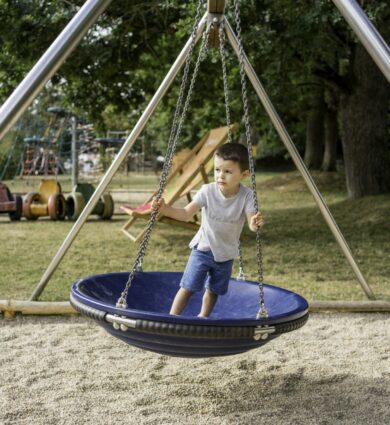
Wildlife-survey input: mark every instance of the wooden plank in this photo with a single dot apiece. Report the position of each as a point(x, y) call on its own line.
point(214, 38)
point(10, 307)
point(350, 306)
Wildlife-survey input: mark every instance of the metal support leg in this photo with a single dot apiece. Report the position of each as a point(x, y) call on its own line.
point(117, 162)
point(46, 67)
point(75, 155)
point(277, 122)
point(367, 34)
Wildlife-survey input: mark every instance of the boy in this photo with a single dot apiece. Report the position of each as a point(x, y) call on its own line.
point(225, 204)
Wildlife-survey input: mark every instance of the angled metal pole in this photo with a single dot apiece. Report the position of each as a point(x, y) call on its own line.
point(46, 67)
point(117, 162)
point(74, 153)
point(289, 144)
point(367, 34)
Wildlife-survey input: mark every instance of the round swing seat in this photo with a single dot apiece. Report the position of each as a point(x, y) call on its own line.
point(232, 327)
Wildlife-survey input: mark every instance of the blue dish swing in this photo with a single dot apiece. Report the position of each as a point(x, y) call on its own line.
point(232, 327)
point(135, 308)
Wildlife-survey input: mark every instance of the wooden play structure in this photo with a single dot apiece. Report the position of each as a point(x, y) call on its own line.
point(189, 171)
point(42, 155)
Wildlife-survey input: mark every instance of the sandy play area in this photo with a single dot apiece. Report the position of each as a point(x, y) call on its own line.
point(67, 370)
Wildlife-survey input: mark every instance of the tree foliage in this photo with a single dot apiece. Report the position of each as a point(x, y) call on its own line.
point(297, 47)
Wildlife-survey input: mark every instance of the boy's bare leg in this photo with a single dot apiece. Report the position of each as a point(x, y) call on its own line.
point(181, 300)
point(208, 303)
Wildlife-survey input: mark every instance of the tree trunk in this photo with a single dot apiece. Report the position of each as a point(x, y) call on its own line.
point(315, 132)
point(365, 128)
point(331, 135)
point(255, 137)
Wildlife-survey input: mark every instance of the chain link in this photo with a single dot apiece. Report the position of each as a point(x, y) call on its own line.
point(225, 80)
point(183, 82)
point(222, 39)
point(262, 311)
point(175, 133)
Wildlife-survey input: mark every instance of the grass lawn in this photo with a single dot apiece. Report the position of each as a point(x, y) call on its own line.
point(147, 180)
point(300, 252)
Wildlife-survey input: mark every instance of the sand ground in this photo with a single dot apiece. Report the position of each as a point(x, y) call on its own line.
point(67, 370)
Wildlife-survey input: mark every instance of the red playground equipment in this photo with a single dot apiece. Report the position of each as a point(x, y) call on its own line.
point(10, 204)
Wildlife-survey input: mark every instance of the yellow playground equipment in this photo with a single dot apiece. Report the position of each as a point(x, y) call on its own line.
point(48, 201)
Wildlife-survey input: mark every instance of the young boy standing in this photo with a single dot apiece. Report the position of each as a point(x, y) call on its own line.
point(225, 204)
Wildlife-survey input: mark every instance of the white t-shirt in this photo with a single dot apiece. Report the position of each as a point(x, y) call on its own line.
point(222, 220)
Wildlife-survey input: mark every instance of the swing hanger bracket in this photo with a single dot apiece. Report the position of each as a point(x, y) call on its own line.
point(215, 19)
point(262, 332)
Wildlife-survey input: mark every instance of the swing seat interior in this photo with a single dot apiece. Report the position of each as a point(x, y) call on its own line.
point(232, 328)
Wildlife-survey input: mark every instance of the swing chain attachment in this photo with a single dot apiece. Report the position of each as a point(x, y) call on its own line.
point(121, 303)
point(172, 142)
point(215, 18)
point(241, 273)
point(262, 314)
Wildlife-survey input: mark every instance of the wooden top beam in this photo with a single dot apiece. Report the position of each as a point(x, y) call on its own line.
point(216, 6)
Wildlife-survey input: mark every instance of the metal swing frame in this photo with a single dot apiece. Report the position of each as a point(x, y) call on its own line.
point(73, 33)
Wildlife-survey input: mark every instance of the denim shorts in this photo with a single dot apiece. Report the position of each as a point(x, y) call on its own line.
point(202, 271)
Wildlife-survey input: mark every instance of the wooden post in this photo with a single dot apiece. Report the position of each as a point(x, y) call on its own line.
point(216, 6)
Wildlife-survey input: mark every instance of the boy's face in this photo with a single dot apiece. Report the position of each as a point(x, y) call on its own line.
point(228, 175)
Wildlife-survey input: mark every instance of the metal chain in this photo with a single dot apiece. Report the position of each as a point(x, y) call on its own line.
point(168, 162)
point(183, 84)
point(241, 272)
point(225, 81)
point(262, 311)
point(222, 39)
point(165, 172)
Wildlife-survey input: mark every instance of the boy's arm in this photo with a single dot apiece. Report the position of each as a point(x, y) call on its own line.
point(255, 220)
point(181, 214)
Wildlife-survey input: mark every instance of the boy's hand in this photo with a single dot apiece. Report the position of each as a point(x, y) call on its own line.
point(158, 204)
point(257, 220)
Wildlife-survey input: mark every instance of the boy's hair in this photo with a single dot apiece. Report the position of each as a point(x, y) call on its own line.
point(234, 152)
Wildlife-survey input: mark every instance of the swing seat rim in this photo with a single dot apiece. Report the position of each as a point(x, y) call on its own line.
point(78, 294)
